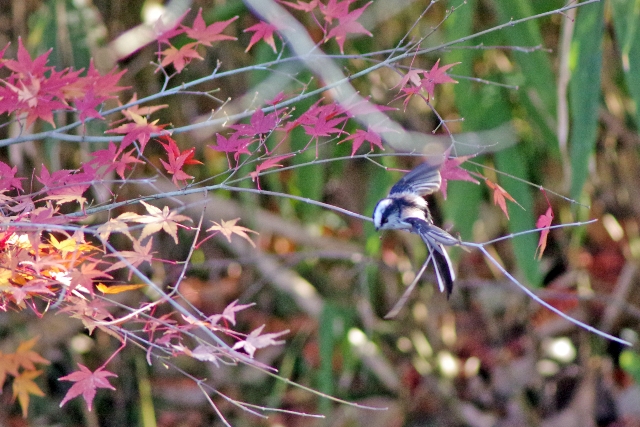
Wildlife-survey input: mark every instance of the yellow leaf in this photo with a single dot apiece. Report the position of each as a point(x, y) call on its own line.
point(116, 289)
point(23, 386)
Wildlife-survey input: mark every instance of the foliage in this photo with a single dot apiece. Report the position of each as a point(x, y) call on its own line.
point(258, 126)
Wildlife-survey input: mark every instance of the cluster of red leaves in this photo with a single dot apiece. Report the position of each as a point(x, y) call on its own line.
point(34, 90)
point(319, 121)
point(413, 84)
point(336, 21)
point(200, 32)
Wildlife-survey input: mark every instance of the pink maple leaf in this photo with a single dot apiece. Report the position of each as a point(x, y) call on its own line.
point(262, 31)
point(260, 124)
point(105, 85)
point(229, 313)
point(86, 383)
point(451, 170)
point(360, 136)
point(206, 34)
point(255, 341)
point(322, 121)
point(436, 76)
point(85, 276)
point(270, 163)
point(109, 158)
point(335, 9)
point(8, 178)
point(347, 24)
point(300, 5)
point(234, 144)
point(65, 181)
point(86, 105)
point(179, 57)
point(25, 66)
point(543, 223)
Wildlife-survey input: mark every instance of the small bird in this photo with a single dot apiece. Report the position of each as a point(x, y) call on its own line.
point(405, 208)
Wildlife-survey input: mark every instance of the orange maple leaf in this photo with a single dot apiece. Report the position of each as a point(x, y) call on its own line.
point(137, 256)
point(26, 357)
point(499, 196)
point(23, 386)
point(8, 365)
point(180, 57)
point(140, 110)
point(228, 228)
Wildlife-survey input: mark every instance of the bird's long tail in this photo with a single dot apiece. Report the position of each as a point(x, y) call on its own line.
point(443, 267)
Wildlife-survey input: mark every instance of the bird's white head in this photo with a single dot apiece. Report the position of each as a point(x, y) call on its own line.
point(386, 214)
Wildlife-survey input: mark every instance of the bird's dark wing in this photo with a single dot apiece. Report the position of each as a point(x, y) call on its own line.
point(423, 180)
point(434, 237)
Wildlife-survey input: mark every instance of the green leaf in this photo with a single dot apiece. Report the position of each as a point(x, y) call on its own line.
point(535, 78)
point(584, 91)
point(626, 19)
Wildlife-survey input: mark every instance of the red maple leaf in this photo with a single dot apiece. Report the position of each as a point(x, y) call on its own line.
point(270, 163)
point(30, 97)
point(451, 170)
point(347, 24)
point(87, 104)
point(139, 130)
point(322, 121)
point(65, 185)
point(25, 66)
point(179, 57)
point(172, 148)
point(109, 158)
point(436, 76)
point(543, 222)
point(206, 34)
point(360, 136)
point(499, 196)
point(86, 383)
point(262, 31)
point(105, 85)
point(177, 160)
